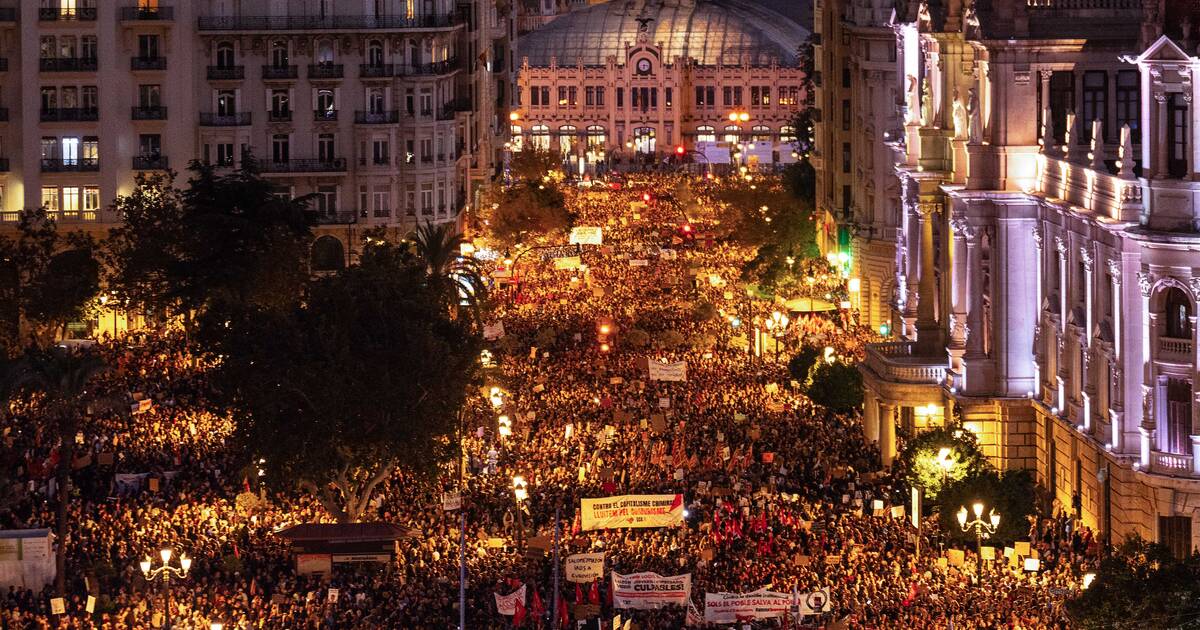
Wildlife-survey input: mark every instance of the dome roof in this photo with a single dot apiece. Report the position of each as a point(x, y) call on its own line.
point(709, 31)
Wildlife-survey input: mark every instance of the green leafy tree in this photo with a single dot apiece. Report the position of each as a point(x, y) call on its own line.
point(920, 465)
point(225, 238)
point(534, 165)
point(1009, 493)
point(438, 247)
point(802, 362)
point(524, 209)
point(1141, 585)
point(836, 385)
point(363, 376)
point(48, 279)
point(63, 382)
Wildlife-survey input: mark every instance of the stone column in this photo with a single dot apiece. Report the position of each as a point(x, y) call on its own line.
point(959, 255)
point(974, 293)
point(928, 331)
point(1160, 137)
point(871, 418)
point(887, 434)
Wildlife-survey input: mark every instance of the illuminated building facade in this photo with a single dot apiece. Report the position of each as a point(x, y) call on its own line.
point(618, 82)
point(388, 111)
point(1048, 261)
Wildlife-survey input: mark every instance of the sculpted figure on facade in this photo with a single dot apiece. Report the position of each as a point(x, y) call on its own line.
point(960, 117)
point(975, 126)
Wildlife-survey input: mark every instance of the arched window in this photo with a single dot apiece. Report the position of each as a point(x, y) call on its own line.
point(375, 53)
point(596, 137)
point(706, 133)
point(787, 133)
point(644, 140)
point(517, 135)
point(568, 140)
point(733, 134)
point(279, 54)
point(325, 52)
point(225, 56)
point(1177, 312)
point(760, 133)
point(328, 254)
point(539, 137)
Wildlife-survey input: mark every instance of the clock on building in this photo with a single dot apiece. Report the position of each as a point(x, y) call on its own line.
point(643, 66)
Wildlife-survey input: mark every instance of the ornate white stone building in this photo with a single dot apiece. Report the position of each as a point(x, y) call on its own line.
point(1047, 239)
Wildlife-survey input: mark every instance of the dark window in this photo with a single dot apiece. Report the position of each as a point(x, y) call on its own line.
point(1175, 533)
point(1062, 100)
point(727, 96)
point(621, 97)
point(845, 157)
point(1095, 99)
point(1179, 417)
point(589, 96)
point(846, 114)
point(1178, 313)
point(328, 254)
point(846, 202)
point(1177, 135)
point(845, 77)
point(699, 95)
point(600, 96)
point(1129, 104)
point(667, 97)
point(534, 93)
point(710, 94)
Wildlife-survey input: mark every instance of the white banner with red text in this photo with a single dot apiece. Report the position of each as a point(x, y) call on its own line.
point(650, 590)
point(507, 604)
point(734, 607)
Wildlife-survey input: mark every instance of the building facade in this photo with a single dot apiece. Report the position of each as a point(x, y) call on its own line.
point(607, 84)
point(388, 111)
point(1048, 251)
point(855, 70)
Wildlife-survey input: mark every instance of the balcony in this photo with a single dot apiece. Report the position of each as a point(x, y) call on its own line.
point(1095, 191)
point(893, 361)
point(381, 160)
point(309, 165)
point(63, 14)
point(152, 112)
point(390, 117)
point(328, 22)
point(150, 163)
point(226, 73)
point(67, 64)
point(336, 217)
point(279, 73)
point(1171, 464)
point(375, 71)
point(1175, 350)
point(80, 165)
point(325, 115)
point(147, 14)
point(325, 70)
point(279, 116)
point(70, 114)
point(238, 119)
point(147, 63)
point(434, 68)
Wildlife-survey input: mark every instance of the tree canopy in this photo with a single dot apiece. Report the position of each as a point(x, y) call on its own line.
point(1140, 586)
point(226, 237)
point(919, 462)
point(364, 375)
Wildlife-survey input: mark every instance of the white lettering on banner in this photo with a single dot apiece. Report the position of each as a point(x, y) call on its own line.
point(650, 590)
point(507, 604)
point(585, 567)
point(731, 607)
point(660, 371)
point(816, 602)
point(586, 235)
point(634, 510)
point(568, 262)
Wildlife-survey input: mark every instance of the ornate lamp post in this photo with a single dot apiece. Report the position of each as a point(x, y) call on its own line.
point(166, 573)
point(520, 493)
point(980, 526)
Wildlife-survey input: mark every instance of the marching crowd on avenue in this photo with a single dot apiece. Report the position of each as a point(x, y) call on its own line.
point(779, 493)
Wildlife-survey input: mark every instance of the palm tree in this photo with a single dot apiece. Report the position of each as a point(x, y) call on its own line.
point(460, 277)
point(63, 379)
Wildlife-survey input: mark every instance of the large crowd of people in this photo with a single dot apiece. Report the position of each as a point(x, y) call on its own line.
point(779, 492)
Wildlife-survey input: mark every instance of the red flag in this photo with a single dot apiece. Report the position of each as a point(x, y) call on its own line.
point(578, 594)
point(536, 606)
point(564, 617)
point(594, 594)
point(519, 614)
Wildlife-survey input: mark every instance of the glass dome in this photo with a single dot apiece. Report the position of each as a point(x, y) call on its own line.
point(709, 31)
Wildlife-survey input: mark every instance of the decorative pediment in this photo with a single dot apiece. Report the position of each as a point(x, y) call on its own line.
point(1163, 50)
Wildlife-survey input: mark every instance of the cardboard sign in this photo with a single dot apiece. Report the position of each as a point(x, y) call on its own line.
point(332, 597)
point(1021, 548)
point(956, 557)
point(451, 500)
point(58, 606)
point(91, 604)
point(987, 553)
point(583, 568)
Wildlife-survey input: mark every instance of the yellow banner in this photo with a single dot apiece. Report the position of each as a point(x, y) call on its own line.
point(633, 510)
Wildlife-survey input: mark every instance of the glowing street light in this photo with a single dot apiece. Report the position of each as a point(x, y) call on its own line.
point(982, 528)
point(166, 573)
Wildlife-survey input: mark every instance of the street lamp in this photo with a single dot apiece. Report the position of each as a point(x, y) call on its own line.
point(520, 493)
point(778, 323)
point(982, 528)
point(167, 573)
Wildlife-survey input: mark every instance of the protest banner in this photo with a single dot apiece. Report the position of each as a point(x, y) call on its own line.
point(493, 331)
point(586, 235)
point(647, 590)
point(567, 263)
point(635, 510)
point(507, 604)
point(585, 567)
point(815, 603)
point(676, 371)
point(58, 606)
point(451, 500)
point(734, 607)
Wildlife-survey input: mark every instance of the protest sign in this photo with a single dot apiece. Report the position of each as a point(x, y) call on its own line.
point(586, 235)
point(650, 590)
point(645, 510)
point(451, 500)
point(493, 331)
point(816, 602)
point(507, 604)
point(585, 567)
point(734, 607)
point(676, 371)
